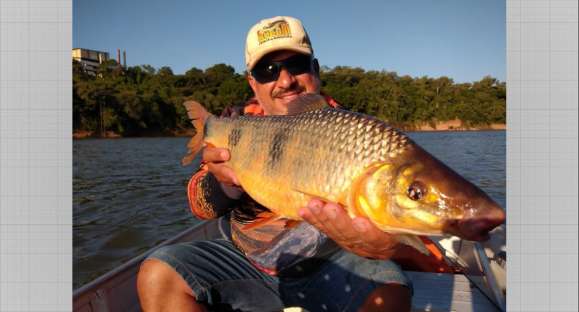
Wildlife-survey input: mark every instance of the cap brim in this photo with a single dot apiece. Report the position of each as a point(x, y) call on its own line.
point(264, 52)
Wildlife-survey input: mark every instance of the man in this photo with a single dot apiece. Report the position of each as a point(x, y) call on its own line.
point(328, 263)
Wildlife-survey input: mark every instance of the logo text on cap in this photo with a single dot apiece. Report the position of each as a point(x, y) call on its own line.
point(277, 29)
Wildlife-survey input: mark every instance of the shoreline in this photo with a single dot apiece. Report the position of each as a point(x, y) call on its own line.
point(455, 125)
point(80, 135)
point(452, 125)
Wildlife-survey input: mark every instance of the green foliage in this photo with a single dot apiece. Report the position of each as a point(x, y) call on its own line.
point(142, 100)
point(407, 101)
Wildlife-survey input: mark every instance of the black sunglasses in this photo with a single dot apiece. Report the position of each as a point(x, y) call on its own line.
point(268, 71)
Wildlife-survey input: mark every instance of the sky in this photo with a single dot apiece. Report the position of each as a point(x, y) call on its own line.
point(462, 39)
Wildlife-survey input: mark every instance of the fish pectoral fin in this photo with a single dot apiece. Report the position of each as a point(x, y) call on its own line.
point(304, 193)
point(292, 223)
point(262, 219)
point(338, 201)
point(414, 242)
point(305, 103)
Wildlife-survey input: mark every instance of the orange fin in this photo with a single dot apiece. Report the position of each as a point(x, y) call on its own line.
point(414, 241)
point(261, 219)
point(311, 195)
point(292, 223)
point(268, 217)
point(198, 115)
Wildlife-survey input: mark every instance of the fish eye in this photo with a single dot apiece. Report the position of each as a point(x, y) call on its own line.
point(416, 190)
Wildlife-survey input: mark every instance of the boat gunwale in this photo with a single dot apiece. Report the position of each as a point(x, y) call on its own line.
point(95, 284)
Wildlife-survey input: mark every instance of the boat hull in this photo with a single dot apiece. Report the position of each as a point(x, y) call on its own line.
point(116, 290)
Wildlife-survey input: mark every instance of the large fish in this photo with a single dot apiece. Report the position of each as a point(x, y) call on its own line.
point(356, 160)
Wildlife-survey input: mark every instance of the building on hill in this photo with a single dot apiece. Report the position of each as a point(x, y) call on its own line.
point(89, 59)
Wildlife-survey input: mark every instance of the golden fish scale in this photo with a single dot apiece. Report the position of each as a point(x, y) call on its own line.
point(282, 161)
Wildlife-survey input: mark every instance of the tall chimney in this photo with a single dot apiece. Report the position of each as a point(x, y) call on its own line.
point(119, 57)
point(124, 59)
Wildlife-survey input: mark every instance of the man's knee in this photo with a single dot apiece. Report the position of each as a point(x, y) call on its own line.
point(157, 283)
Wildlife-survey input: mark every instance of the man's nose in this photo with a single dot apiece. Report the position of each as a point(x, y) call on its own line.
point(285, 79)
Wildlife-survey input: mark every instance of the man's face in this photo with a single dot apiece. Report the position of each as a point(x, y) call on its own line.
point(274, 96)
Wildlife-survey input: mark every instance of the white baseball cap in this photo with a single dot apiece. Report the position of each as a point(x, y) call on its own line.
point(274, 34)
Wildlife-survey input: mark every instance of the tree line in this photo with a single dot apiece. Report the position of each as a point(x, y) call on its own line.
point(142, 100)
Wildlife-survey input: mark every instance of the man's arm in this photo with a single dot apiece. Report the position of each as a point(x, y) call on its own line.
point(208, 197)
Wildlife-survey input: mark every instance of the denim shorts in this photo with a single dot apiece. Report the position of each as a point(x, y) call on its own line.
point(221, 277)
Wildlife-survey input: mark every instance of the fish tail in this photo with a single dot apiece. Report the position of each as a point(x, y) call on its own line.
point(198, 116)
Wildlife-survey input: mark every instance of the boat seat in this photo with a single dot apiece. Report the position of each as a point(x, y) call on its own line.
point(438, 292)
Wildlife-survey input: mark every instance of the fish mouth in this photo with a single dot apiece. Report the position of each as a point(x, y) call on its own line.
point(475, 228)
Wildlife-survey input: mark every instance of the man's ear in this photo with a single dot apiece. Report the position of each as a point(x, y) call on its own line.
point(251, 82)
point(316, 66)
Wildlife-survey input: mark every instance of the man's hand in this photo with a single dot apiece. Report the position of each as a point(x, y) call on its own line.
point(215, 159)
point(356, 235)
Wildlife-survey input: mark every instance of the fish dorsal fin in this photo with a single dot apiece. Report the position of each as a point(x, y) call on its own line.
point(305, 103)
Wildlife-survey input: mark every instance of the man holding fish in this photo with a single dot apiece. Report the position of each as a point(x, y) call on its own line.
point(338, 259)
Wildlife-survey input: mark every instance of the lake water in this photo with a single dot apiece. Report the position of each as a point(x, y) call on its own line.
point(130, 194)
